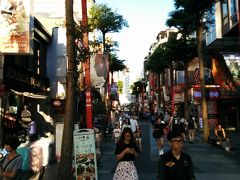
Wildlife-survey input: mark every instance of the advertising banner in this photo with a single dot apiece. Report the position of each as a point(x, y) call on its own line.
point(15, 25)
point(99, 68)
point(85, 154)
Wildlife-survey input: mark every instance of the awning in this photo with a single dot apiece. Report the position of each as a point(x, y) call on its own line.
point(30, 95)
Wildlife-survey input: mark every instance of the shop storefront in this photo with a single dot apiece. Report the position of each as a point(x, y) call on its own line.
point(24, 92)
point(212, 95)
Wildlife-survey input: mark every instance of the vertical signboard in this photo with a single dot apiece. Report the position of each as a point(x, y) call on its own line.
point(15, 26)
point(85, 154)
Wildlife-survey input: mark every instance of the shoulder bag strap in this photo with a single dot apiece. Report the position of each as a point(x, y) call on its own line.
point(10, 162)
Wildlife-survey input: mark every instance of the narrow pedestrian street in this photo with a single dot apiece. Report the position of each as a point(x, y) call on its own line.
point(210, 162)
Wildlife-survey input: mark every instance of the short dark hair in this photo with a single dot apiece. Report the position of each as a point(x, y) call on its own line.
point(173, 134)
point(12, 141)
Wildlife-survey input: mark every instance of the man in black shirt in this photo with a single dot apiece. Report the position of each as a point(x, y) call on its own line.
point(175, 164)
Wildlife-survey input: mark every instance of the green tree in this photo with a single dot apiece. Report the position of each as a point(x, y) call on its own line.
point(138, 87)
point(186, 48)
point(104, 19)
point(98, 105)
point(65, 165)
point(116, 64)
point(195, 15)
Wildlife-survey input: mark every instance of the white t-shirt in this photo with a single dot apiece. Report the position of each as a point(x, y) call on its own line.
point(117, 132)
point(133, 123)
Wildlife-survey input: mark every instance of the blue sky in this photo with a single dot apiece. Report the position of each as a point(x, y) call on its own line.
point(146, 19)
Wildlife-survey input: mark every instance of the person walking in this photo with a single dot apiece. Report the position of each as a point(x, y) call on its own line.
point(12, 162)
point(126, 123)
point(116, 133)
point(191, 129)
point(126, 151)
point(175, 164)
point(158, 133)
point(182, 127)
point(133, 123)
point(138, 136)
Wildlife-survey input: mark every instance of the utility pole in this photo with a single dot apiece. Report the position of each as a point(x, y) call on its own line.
point(86, 66)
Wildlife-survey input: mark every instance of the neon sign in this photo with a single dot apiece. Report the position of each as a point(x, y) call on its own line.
point(211, 93)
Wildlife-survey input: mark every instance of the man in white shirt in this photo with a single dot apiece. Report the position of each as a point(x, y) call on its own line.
point(133, 123)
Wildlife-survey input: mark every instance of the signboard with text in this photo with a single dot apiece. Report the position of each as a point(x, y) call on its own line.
point(16, 23)
point(85, 154)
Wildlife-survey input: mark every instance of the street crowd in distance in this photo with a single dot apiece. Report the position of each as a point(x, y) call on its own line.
point(173, 163)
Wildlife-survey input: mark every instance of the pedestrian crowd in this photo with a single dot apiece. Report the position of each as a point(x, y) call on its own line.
point(173, 164)
point(169, 122)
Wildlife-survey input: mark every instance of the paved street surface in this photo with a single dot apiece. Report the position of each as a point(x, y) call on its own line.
point(211, 162)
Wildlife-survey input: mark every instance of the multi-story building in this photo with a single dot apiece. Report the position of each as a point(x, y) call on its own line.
point(159, 86)
point(221, 71)
point(224, 42)
point(123, 77)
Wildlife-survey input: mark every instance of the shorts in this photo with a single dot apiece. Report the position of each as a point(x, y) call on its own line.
point(139, 140)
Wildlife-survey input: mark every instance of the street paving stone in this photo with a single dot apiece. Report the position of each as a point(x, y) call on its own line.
point(210, 162)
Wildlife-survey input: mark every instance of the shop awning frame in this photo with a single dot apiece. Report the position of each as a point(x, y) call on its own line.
point(30, 95)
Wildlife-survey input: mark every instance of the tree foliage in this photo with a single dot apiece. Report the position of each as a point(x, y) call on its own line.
point(138, 87)
point(116, 64)
point(195, 15)
point(99, 107)
point(105, 20)
point(175, 50)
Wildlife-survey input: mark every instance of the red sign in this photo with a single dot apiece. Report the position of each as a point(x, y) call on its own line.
point(89, 108)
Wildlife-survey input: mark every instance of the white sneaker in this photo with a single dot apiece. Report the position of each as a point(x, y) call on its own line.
point(227, 148)
point(161, 152)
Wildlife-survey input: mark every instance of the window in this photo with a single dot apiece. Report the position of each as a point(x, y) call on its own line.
point(224, 8)
point(225, 12)
point(233, 8)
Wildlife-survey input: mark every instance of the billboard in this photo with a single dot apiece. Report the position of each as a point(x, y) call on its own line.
point(233, 63)
point(15, 26)
point(99, 68)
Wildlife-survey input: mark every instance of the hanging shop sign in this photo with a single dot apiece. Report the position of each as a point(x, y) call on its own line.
point(212, 93)
point(23, 80)
point(85, 154)
point(16, 23)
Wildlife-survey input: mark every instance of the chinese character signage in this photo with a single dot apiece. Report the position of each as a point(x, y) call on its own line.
point(85, 155)
point(15, 25)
